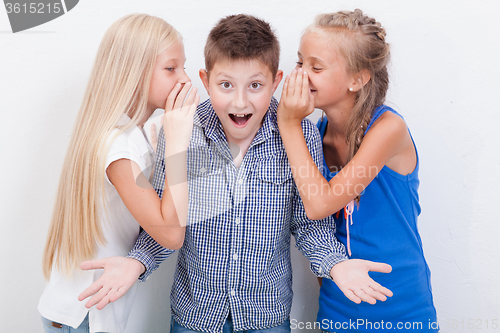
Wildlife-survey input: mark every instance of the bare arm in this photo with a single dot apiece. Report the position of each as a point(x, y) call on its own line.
point(165, 219)
point(158, 217)
point(316, 240)
point(387, 138)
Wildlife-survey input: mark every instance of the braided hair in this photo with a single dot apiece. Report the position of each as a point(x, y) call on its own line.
point(360, 40)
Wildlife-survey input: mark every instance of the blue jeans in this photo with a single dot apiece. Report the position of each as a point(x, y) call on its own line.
point(53, 327)
point(228, 328)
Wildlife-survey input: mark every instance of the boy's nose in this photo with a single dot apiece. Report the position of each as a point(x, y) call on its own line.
point(240, 100)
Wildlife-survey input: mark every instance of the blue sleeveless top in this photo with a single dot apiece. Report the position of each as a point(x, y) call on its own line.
point(384, 229)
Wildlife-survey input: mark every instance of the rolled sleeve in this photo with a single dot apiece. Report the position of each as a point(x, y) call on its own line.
point(151, 254)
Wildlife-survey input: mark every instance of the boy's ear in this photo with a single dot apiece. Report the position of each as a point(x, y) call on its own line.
point(360, 79)
point(204, 78)
point(277, 79)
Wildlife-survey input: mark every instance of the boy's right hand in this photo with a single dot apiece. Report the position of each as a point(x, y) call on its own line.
point(120, 273)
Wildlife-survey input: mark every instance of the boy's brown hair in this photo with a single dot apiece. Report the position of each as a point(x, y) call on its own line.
point(243, 37)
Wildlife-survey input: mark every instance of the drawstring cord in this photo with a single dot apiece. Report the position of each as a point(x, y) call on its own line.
point(348, 210)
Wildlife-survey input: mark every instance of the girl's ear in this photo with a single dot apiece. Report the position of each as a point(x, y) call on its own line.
point(359, 80)
point(204, 78)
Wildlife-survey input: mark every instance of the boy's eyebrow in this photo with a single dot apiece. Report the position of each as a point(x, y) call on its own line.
point(251, 77)
point(225, 74)
point(257, 74)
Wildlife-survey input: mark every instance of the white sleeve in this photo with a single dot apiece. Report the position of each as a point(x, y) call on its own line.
point(122, 148)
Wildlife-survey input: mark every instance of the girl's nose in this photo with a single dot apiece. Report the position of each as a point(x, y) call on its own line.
point(183, 78)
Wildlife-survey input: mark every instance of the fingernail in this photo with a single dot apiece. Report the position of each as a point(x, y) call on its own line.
point(305, 73)
point(294, 71)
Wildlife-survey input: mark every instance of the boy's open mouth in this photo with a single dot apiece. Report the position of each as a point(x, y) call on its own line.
point(240, 119)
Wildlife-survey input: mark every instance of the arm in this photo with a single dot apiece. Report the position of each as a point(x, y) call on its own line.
point(321, 198)
point(121, 273)
point(146, 250)
point(317, 241)
point(165, 219)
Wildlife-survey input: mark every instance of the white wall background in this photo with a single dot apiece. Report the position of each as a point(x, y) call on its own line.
point(445, 81)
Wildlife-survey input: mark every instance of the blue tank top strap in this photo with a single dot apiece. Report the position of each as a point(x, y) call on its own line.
point(321, 125)
point(378, 112)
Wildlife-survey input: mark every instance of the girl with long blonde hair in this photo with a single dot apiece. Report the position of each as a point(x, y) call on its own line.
point(371, 169)
point(104, 195)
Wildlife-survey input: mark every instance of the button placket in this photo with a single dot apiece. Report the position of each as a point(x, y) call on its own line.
point(234, 268)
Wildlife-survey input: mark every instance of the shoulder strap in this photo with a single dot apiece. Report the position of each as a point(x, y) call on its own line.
point(378, 112)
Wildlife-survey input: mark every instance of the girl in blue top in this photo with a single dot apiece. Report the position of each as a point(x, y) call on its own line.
point(371, 169)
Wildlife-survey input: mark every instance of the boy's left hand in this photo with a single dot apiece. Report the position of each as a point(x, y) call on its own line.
point(351, 276)
point(297, 101)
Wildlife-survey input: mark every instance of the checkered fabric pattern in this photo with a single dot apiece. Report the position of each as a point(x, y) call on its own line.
point(236, 254)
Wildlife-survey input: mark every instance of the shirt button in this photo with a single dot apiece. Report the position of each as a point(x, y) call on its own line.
point(237, 220)
point(203, 170)
point(240, 181)
point(235, 256)
point(233, 292)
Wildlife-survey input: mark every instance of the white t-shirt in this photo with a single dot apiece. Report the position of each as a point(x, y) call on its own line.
point(59, 301)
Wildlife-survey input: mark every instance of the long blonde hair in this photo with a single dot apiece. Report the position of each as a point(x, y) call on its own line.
point(118, 84)
point(360, 40)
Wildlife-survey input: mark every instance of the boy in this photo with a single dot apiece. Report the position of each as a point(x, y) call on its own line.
point(234, 269)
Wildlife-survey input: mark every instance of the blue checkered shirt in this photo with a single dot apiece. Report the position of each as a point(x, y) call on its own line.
point(236, 254)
